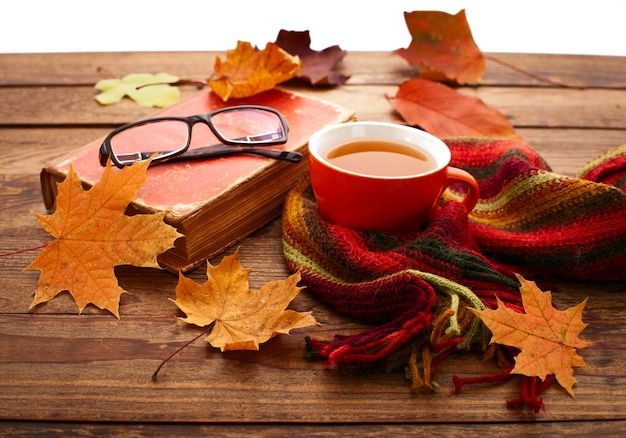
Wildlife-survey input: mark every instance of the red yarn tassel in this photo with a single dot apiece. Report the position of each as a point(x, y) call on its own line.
point(530, 388)
point(459, 382)
point(369, 346)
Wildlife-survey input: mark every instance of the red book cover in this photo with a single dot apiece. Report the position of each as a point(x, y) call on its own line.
point(214, 202)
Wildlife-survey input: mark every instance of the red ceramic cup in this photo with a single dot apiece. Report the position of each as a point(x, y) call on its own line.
point(382, 203)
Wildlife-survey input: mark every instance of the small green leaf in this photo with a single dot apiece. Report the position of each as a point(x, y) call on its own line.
point(113, 90)
point(161, 95)
point(146, 89)
point(140, 79)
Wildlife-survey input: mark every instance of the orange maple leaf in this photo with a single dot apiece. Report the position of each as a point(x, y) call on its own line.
point(242, 318)
point(445, 112)
point(442, 47)
point(248, 71)
point(93, 235)
point(547, 338)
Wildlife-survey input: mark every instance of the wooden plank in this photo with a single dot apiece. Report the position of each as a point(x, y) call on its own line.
point(567, 150)
point(525, 107)
point(102, 367)
point(501, 69)
point(27, 150)
point(363, 67)
point(570, 70)
point(66, 106)
point(573, 429)
point(88, 68)
point(556, 108)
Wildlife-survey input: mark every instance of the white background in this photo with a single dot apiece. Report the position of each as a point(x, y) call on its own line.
point(546, 26)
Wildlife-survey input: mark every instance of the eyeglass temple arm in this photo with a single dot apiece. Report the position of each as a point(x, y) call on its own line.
point(220, 150)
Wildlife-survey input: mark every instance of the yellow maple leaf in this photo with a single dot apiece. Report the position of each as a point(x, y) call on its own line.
point(248, 71)
point(546, 337)
point(93, 235)
point(242, 319)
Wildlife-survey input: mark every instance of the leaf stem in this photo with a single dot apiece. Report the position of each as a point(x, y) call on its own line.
point(6, 254)
point(178, 350)
point(198, 84)
point(529, 74)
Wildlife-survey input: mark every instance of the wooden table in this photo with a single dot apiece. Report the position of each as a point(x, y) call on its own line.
point(61, 372)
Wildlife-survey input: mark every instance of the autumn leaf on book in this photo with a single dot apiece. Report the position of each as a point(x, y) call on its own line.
point(547, 338)
point(93, 235)
point(442, 47)
point(241, 319)
point(445, 112)
point(247, 71)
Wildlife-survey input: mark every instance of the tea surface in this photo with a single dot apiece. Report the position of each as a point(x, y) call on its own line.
point(381, 158)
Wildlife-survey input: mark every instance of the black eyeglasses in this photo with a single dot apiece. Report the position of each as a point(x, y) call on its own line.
point(240, 130)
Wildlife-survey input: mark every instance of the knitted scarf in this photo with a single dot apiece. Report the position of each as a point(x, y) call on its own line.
point(414, 288)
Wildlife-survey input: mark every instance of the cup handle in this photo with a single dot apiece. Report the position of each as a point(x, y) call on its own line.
point(455, 174)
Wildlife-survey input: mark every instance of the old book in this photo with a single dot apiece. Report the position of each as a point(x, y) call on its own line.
point(214, 202)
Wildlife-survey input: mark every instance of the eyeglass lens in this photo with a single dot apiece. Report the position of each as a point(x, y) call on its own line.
point(248, 125)
point(243, 126)
point(167, 137)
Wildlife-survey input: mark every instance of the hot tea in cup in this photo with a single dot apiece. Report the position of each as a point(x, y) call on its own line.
point(382, 176)
point(381, 158)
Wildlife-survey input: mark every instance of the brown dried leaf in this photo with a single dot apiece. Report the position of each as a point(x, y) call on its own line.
point(317, 67)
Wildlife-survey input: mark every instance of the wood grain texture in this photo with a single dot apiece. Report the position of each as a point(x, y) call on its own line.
point(63, 373)
point(363, 67)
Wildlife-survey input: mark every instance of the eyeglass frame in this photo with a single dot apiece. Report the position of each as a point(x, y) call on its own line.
point(106, 150)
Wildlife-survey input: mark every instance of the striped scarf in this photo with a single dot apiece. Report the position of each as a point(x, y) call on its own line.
point(414, 288)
